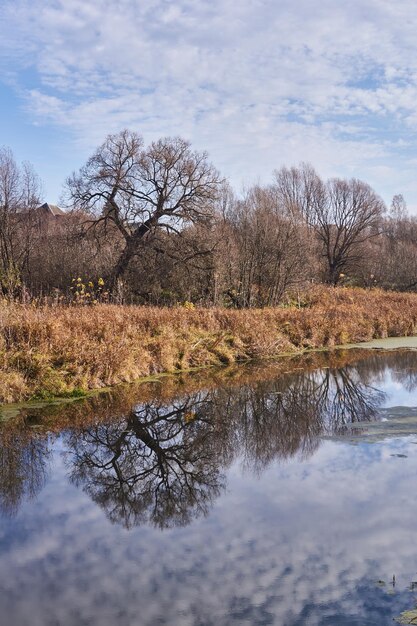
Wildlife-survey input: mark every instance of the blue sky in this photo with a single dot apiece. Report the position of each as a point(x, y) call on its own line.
point(258, 84)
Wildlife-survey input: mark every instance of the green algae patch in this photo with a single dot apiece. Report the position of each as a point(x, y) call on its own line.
point(388, 343)
point(408, 617)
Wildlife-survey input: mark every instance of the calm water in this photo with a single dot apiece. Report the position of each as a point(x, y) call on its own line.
point(283, 496)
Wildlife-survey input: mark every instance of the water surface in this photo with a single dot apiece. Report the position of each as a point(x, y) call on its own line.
point(279, 495)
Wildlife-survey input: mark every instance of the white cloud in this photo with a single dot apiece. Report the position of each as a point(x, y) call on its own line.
point(257, 82)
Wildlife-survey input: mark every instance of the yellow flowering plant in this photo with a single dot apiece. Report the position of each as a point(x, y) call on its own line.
point(88, 292)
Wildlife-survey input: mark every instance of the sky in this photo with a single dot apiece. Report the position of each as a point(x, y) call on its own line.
point(257, 84)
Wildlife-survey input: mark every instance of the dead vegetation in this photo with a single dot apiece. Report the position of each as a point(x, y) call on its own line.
point(66, 351)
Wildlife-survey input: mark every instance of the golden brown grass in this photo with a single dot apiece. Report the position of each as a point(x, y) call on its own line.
point(105, 406)
point(52, 351)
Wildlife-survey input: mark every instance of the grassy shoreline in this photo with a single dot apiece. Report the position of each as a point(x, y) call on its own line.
point(104, 404)
point(47, 352)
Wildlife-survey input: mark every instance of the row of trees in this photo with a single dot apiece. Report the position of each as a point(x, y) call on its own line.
point(159, 225)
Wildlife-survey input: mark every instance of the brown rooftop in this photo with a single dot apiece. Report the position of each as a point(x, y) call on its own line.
point(51, 208)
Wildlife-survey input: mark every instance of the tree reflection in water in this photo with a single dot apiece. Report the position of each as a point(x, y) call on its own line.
point(150, 466)
point(164, 463)
point(24, 465)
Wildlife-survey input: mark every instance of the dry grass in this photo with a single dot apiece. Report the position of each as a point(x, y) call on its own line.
point(103, 407)
point(52, 351)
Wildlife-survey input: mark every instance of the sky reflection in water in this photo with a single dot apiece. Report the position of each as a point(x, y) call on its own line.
point(224, 506)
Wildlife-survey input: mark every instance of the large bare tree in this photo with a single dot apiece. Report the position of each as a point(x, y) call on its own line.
point(348, 216)
point(343, 214)
point(142, 190)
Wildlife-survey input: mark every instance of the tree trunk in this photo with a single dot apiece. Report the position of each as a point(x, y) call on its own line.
point(121, 266)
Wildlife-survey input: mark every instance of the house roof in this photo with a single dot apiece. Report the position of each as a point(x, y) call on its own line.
point(51, 208)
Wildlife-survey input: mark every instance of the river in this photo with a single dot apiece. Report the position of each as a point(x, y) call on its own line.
point(279, 494)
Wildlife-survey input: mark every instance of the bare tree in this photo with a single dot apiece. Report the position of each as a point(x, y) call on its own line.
point(399, 209)
point(266, 243)
point(348, 216)
point(20, 191)
point(144, 190)
point(299, 189)
point(343, 214)
point(398, 250)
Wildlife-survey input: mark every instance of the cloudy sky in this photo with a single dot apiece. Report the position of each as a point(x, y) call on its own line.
point(256, 83)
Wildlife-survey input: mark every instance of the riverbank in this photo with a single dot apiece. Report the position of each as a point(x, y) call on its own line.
point(66, 351)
